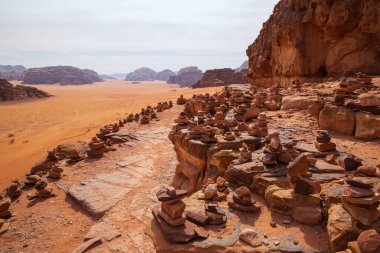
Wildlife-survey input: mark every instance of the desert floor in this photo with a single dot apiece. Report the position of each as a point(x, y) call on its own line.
point(28, 129)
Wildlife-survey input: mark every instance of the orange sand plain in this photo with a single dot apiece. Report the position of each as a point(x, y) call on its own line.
point(74, 113)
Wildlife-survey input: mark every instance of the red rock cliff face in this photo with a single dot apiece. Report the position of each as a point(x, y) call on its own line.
point(316, 38)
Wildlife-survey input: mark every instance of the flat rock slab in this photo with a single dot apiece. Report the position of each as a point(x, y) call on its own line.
point(102, 230)
point(308, 147)
point(131, 160)
point(327, 177)
point(119, 178)
point(88, 245)
point(325, 167)
point(97, 197)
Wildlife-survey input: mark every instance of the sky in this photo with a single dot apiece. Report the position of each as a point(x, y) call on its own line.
point(112, 36)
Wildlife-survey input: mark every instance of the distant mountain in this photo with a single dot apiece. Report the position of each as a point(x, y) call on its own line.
point(164, 75)
point(242, 67)
point(107, 77)
point(142, 74)
point(9, 72)
point(221, 77)
point(61, 74)
point(8, 92)
point(186, 76)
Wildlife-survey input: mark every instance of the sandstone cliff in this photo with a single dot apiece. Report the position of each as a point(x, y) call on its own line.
point(8, 92)
point(186, 76)
point(9, 72)
point(314, 39)
point(141, 74)
point(60, 74)
point(221, 77)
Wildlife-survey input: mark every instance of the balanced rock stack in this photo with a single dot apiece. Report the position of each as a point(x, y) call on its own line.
point(14, 190)
point(181, 100)
point(245, 155)
point(242, 200)
point(43, 190)
point(55, 172)
point(172, 207)
point(299, 176)
point(130, 118)
point(216, 191)
point(260, 128)
point(361, 201)
point(97, 148)
point(273, 151)
point(208, 135)
point(5, 203)
point(144, 120)
point(323, 141)
point(182, 119)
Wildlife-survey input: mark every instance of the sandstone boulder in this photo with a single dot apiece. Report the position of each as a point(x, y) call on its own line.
point(367, 125)
point(220, 77)
point(339, 119)
point(296, 102)
point(367, 99)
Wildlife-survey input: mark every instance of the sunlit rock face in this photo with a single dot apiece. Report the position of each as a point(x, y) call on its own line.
point(317, 38)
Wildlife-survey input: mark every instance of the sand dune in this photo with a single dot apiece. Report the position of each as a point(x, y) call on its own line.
point(74, 113)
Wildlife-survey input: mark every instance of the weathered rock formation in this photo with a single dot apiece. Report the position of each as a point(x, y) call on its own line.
point(60, 74)
point(9, 72)
point(141, 74)
point(244, 66)
point(164, 75)
point(186, 76)
point(8, 92)
point(314, 39)
point(221, 77)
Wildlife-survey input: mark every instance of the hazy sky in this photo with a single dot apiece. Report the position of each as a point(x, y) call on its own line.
point(121, 35)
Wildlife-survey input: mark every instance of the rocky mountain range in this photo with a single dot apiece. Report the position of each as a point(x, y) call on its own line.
point(63, 75)
point(221, 77)
point(9, 72)
point(8, 92)
point(148, 74)
point(186, 76)
point(315, 39)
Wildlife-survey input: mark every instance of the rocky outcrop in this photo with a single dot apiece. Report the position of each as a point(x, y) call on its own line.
point(221, 77)
point(8, 92)
point(244, 66)
point(164, 75)
point(141, 74)
point(314, 39)
point(64, 75)
point(9, 72)
point(186, 76)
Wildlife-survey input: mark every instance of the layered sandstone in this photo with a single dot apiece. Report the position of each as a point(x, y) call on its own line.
point(60, 74)
point(221, 77)
point(8, 92)
point(186, 76)
point(315, 39)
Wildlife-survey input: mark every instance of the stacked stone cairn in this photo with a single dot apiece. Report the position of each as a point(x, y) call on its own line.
point(172, 207)
point(216, 191)
point(97, 148)
point(181, 100)
point(245, 155)
point(260, 128)
point(323, 141)
point(273, 151)
point(242, 201)
point(55, 172)
point(361, 200)
point(5, 203)
point(43, 190)
point(14, 190)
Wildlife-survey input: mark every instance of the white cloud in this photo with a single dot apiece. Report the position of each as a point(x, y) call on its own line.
point(121, 35)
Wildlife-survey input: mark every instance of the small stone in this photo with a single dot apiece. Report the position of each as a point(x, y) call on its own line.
point(210, 191)
point(174, 210)
point(251, 237)
point(325, 147)
point(349, 162)
point(242, 191)
point(276, 243)
point(356, 192)
point(273, 224)
point(201, 232)
point(299, 166)
point(369, 241)
point(197, 218)
point(331, 158)
point(367, 170)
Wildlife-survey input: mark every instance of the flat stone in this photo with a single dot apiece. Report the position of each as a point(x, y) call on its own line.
point(364, 215)
point(298, 166)
point(180, 234)
point(251, 237)
point(201, 232)
point(102, 230)
point(164, 195)
point(305, 186)
point(172, 222)
point(325, 147)
point(97, 197)
point(197, 218)
point(88, 245)
point(308, 147)
point(358, 183)
point(325, 167)
point(241, 208)
point(4, 226)
point(215, 218)
point(327, 177)
point(355, 192)
point(369, 201)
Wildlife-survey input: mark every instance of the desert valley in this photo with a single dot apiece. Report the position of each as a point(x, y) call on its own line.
point(278, 153)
